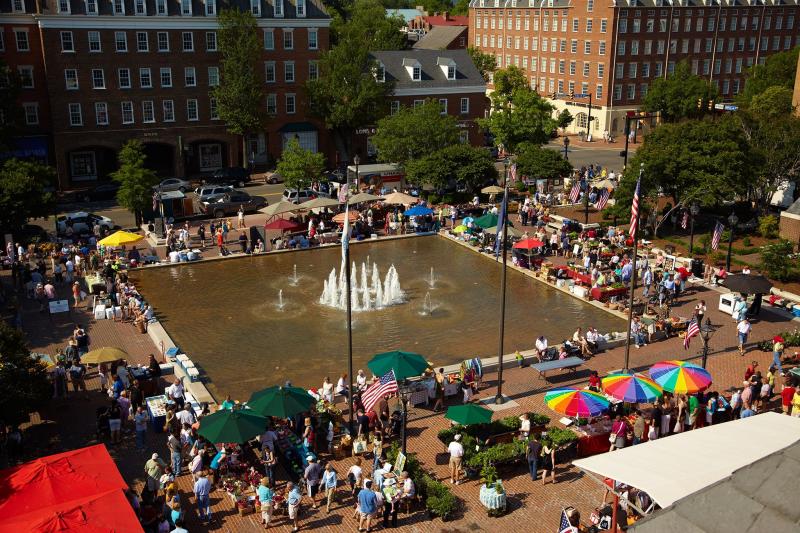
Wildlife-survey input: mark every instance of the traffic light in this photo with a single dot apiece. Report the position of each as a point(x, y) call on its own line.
point(711, 105)
point(699, 103)
point(553, 96)
point(572, 95)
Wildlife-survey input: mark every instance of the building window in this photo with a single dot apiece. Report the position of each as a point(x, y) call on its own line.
point(186, 8)
point(288, 71)
point(213, 76)
point(589, 5)
point(601, 70)
point(94, 41)
point(587, 47)
point(145, 79)
point(269, 69)
point(121, 41)
point(272, 104)
point(148, 112)
point(269, 39)
point(189, 77)
point(2, 41)
point(211, 41)
point(141, 9)
point(631, 91)
point(161, 10)
point(75, 115)
point(589, 25)
point(634, 48)
point(71, 79)
point(255, 7)
point(188, 41)
point(290, 104)
point(127, 112)
point(213, 111)
point(64, 6)
point(142, 42)
point(394, 107)
point(163, 41)
point(166, 76)
point(632, 69)
point(599, 92)
point(464, 109)
point(82, 166)
point(301, 8)
point(416, 73)
point(645, 70)
point(124, 78)
point(211, 7)
point(119, 7)
point(442, 106)
point(98, 79)
point(168, 107)
point(313, 41)
point(101, 113)
point(603, 25)
point(31, 110)
point(21, 38)
point(67, 42)
point(278, 8)
point(91, 7)
point(288, 39)
point(418, 103)
point(586, 68)
point(191, 110)
point(572, 68)
point(313, 70)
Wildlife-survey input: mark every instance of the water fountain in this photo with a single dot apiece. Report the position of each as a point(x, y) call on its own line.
point(281, 303)
point(427, 305)
point(432, 280)
point(364, 295)
point(294, 279)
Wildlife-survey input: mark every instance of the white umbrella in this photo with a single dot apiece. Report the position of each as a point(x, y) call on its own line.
point(492, 189)
point(276, 209)
point(511, 231)
point(363, 197)
point(317, 203)
point(400, 198)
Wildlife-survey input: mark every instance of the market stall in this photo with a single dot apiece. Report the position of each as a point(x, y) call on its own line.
point(157, 412)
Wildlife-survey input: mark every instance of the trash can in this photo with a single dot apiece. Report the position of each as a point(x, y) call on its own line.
point(697, 268)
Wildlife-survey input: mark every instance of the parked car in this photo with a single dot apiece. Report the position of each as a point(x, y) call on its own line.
point(31, 233)
point(104, 191)
point(298, 197)
point(173, 184)
point(228, 204)
point(235, 176)
point(82, 222)
point(205, 193)
point(274, 178)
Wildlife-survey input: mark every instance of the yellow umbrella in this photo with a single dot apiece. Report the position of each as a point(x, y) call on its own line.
point(104, 355)
point(460, 229)
point(120, 238)
point(492, 189)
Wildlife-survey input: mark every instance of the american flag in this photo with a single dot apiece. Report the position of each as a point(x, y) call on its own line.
point(718, 229)
point(692, 331)
point(603, 199)
point(512, 173)
point(387, 385)
point(685, 220)
point(635, 210)
point(576, 191)
point(564, 526)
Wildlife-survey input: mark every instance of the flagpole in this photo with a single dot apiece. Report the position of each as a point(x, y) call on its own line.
point(626, 366)
point(498, 399)
point(349, 297)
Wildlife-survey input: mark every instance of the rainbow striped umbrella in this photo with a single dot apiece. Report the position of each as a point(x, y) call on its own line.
point(632, 388)
point(576, 402)
point(680, 377)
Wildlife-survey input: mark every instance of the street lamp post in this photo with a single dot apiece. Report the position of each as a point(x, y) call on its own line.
point(498, 399)
point(405, 396)
point(694, 210)
point(566, 147)
point(732, 221)
point(348, 274)
point(706, 332)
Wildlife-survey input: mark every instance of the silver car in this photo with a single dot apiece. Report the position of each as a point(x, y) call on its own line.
point(173, 184)
point(205, 192)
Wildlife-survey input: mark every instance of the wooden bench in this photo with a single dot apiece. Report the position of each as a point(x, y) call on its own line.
point(569, 363)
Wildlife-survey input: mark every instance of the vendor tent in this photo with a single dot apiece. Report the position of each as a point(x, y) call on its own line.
point(674, 467)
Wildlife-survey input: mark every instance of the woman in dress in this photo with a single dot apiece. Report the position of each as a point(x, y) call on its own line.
point(548, 458)
point(308, 434)
point(327, 390)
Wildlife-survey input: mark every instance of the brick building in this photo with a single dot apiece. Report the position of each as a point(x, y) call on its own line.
point(612, 50)
point(449, 77)
point(114, 70)
point(427, 22)
point(796, 94)
point(444, 38)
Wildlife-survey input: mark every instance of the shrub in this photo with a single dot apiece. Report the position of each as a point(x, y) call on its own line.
point(776, 261)
point(499, 453)
point(560, 437)
point(767, 227)
point(705, 242)
point(520, 186)
point(496, 427)
point(439, 501)
point(434, 199)
point(747, 242)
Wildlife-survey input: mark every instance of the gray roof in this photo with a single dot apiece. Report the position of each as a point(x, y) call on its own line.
point(754, 499)
point(432, 74)
point(314, 8)
point(543, 4)
point(439, 37)
point(794, 209)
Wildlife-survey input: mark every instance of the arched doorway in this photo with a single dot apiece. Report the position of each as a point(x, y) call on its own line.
point(160, 158)
point(615, 125)
point(91, 163)
point(581, 119)
point(205, 156)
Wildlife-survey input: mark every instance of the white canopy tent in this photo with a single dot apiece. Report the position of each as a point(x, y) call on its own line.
point(672, 468)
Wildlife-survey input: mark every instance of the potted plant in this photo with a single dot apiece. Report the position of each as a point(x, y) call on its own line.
point(492, 493)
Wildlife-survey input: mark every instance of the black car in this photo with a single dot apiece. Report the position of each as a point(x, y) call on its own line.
point(234, 176)
point(104, 191)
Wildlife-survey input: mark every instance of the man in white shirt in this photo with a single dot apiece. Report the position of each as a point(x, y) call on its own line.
point(175, 391)
point(541, 345)
point(592, 338)
point(744, 330)
point(456, 455)
point(185, 415)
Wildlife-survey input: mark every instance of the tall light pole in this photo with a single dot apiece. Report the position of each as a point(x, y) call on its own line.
point(566, 147)
point(694, 210)
point(498, 399)
point(706, 332)
point(626, 366)
point(732, 221)
point(356, 161)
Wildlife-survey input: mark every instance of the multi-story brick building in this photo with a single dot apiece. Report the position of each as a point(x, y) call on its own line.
point(614, 49)
point(116, 70)
point(446, 76)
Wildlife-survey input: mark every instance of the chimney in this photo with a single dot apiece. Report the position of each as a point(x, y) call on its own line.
point(445, 15)
point(435, 13)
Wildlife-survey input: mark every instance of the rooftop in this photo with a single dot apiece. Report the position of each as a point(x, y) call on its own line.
point(439, 37)
point(395, 62)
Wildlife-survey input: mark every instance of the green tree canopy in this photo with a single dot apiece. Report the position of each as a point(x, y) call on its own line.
point(508, 80)
point(524, 117)
point(240, 101)
point(24, 385)
point(414, 132)
point(298, 166)
point(136, 181)
point(367, 25)
point(564, 119)
point(534, 162)
point(468, 166)
point(26, 191)
point(485, 63)
point(677, 95)
point(778, 70)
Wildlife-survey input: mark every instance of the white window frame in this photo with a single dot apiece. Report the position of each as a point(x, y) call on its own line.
point(158, 41)
point(68, 79)
point(189, 116)
point(442, 106)
point(161, 10)
point(213, 76)
point(98, 42)
point(300, 9)
point(269, 42)
point(288, 32)
point(394, 107)
point(139, 41)
point(269, 66)
point(31, 112)
point(67, 42)
point(118, 7)
point(123, 42)
point(120, 78)
point(213, 109)
point(190, 42)
point(272, 104)
point(313, 39)
point(149, 76)
point(211, 38)
point(313, 70)
point(291, 97)
point(72, 110)
point(189, 77)
point(101, 78)
point(18, 32)
point(140, 7)
point(148, 106)
point(211, 7)
point(162, 72)
point(92, 7)
point(278, 11)
point(101, 109)
point(464, 106)
point(186, 8)
point(64, 6)
point(289, 68)
point(255, 7)
point(127, 107)
point(168, 110)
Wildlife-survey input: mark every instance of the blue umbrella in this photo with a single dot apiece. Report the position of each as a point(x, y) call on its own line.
point(467, 220)
point(418, 211)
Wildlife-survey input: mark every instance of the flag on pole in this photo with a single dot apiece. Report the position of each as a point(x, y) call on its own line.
point(718, 229)
point(564, 526)
point(346, 233)
point(512, 173)
point(501, 221)
point(685, 220)
point(635, 210)
point(343, 193)
point(692, 331)
point(603, 199)
point(576, 191)
point(155, 201)
point(386, 385)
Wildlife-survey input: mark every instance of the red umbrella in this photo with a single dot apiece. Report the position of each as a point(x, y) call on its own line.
point(528, 244)
point(283, 225)
point(777, 338)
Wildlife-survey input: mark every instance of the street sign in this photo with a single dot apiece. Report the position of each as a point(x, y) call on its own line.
point(581, 95)
point(726, 107)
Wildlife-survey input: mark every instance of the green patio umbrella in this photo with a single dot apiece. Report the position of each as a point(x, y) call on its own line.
point(239, 426)
point(405, 364)
point(283, 402)
point(486, 221)
point(469, 414)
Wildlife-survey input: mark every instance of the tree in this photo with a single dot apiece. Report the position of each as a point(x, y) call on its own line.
point(240, 101)
point(564, 119)
point(298, 166)
point(347, 95)
point(776, 261)
point(523, 117)
point(534, 162)
point(778, 70)
point(485, 63)
point(509, 80)
point(26, 191)
point(136, 182)
point(676, 97)
point(461, 164)
point(414, 132)
point(10, 110)
point(24, 385)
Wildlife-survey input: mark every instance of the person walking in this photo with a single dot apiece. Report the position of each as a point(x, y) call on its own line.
point(311, 477)
point(293, 498)
point(154, 468)
point(328, 483)
point(202, 489)
point(265, 496)
point(777, 352)
point(548, 462)
point(743, 330)
point(456, 450)
point(532, 454)
point(368, 505)
point(140, 420)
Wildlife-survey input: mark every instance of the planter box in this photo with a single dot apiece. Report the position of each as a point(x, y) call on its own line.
point(244, 511)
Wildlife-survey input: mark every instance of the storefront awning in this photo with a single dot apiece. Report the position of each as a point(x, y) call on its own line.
point(672, 468)
point(296, 127)
point(27, 148)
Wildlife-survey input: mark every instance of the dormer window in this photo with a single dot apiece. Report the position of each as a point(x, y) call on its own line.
point(380, 72)
point(451, 72)
point(448, 67)
point(186, 8)
point(301, 8)
point(91, 7)
point(255, 7)
point(279, 8)
point(416, 73)
point(413, 68)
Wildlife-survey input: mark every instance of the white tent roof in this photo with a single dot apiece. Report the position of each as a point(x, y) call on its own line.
point(671, 468)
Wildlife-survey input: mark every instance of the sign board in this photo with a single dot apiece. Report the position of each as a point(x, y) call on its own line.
point(59, 306)
point(399, 464)
point(581, 95)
